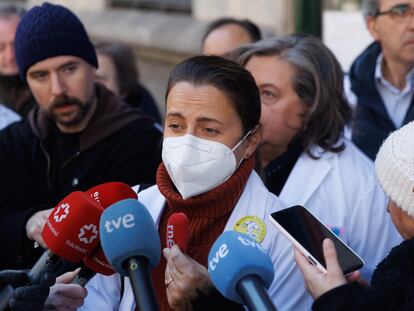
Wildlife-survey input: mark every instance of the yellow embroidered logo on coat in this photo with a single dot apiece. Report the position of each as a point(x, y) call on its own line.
point(252, 226)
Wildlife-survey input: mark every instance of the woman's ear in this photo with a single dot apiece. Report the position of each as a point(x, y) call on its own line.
point(253, 141)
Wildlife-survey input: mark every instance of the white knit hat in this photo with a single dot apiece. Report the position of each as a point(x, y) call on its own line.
point(394, 167)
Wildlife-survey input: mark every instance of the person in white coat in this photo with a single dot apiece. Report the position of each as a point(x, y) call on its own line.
point(211, 134)
point(304, 157)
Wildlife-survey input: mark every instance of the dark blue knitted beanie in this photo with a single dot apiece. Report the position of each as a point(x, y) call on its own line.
point(48, 31)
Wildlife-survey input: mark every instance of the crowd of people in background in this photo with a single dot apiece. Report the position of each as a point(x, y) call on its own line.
point(252, 125)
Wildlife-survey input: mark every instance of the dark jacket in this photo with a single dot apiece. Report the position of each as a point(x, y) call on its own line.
point(372, 123)
point(16, 95)
point(141, 98)
point(119, 144)
point(392, 286)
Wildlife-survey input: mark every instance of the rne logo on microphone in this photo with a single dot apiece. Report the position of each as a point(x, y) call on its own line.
point(221, 253)
point(61, 212)
point(88, 233)
point(170, 235)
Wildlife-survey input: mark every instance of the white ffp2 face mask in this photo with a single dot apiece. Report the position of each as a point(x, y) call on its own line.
point(197, 165)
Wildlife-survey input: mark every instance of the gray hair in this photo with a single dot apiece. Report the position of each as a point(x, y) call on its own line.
point(370, 7)
point(7, 10)
point(318, 82)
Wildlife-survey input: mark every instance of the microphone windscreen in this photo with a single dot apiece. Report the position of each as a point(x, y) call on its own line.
point(109, 193)
point(234, 256)
point(71, 230)
point(127, 230)
point(106, 194)
point(97, 262)
point(177, 231)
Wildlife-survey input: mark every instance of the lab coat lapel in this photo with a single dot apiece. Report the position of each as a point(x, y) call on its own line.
point(305, 179)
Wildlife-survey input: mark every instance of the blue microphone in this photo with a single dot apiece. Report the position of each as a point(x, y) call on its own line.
point(241, 270)
point(132, 246)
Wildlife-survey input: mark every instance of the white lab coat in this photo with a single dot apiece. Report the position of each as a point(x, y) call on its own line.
point(287, 290)
point(342, 191)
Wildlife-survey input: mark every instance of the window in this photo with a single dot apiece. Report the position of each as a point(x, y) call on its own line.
point(164, 5)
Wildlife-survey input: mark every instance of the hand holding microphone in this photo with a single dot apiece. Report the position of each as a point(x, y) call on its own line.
point(71, 232)
point(35, 224)
point(241, 270)
point(185, 278)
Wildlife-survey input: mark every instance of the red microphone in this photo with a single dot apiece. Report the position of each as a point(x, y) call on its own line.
point(177, 231)
point(109, 193)
point(106, 195)
point(71, 232)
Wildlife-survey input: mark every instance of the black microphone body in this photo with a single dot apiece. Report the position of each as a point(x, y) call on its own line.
point(254, 294)
point(5, 294)
point(141, 283)
point(48, 262)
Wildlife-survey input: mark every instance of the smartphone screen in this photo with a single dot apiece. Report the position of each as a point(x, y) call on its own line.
point(309, 232)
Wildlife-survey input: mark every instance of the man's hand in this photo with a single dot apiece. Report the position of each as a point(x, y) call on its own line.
point(64, 295)
point(184, 278)
point(32, 297)
point(317, 282)
point(34, 226)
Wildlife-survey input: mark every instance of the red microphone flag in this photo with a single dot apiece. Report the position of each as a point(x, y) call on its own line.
point(106, 195)
point(177, 231)
point(72, 228)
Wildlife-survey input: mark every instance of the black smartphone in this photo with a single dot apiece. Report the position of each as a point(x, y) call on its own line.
point(307, 233)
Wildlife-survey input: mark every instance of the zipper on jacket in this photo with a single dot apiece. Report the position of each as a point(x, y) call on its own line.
point(49, 183)
point(76, 154)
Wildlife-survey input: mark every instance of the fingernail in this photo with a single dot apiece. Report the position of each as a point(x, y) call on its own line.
point(166, 252)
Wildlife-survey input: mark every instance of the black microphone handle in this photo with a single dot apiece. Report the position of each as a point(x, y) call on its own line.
point(141, 283)
point(254, 294)
point(48, 262)
point(5, 295)
point(84, 275)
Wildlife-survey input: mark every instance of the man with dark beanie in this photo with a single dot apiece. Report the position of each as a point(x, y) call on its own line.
point(80, 135)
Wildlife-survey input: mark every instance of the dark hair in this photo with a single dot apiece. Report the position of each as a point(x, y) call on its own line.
point(247, 25)
point(235, 81)
point(318, 82)
point(7, 10)
point(123, 58)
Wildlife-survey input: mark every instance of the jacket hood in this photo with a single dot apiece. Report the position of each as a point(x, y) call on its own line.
point(363, 69)
point(111, 115)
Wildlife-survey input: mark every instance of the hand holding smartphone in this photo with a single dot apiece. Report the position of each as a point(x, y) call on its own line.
point(307, 233)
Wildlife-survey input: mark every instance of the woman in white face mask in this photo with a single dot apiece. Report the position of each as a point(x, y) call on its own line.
point(211, 134)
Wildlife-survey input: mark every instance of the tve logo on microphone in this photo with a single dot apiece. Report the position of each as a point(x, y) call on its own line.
point(251, 243)
point(126, 221)
point(223, 250)
point(221, 253)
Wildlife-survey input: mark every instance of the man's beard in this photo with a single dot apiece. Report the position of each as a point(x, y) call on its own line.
point(76, 118)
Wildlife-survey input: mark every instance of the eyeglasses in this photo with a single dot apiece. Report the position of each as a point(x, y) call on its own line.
point(400, 12)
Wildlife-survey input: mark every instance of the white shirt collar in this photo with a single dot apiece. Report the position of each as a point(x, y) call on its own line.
point(380, 79)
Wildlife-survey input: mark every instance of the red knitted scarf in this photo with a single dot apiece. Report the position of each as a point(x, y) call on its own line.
point(207, 214)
